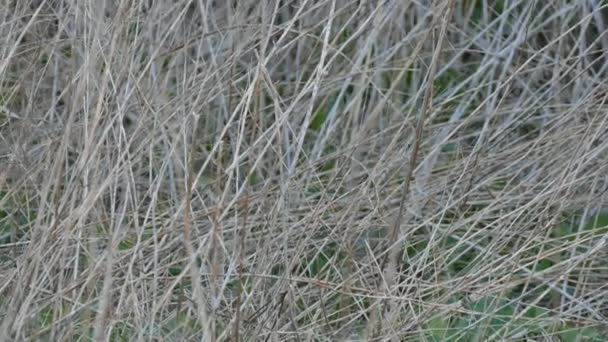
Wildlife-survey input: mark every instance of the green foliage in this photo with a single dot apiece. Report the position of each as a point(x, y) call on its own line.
point(125, 245)
point(3, 120)
point(543, 264)
point(496, 318)
point(174, 271)
point(66, 51)
point(569, 332)
point(122, 332)
point(253, 178)
point(236, 283)
point(46, 316)
point(503, 316)
point(415, 247)
point(462, 256)
point(320, 115)
point(317, 264)
point(598, 225)
point(497, 7)
point(179, 326)
point(5, 229)
point(477, 13)
point(21, 215)
point(446, 80)
point(328, 166)
point(498, 184)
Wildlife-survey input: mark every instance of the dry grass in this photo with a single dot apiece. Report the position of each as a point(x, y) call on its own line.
point(303, 170)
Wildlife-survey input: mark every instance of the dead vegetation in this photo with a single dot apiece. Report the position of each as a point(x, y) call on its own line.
point(303, 170)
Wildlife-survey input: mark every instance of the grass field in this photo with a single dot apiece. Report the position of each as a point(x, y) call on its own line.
point(298, 170)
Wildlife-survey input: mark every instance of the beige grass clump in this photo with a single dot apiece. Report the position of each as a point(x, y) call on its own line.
point(303, 170)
